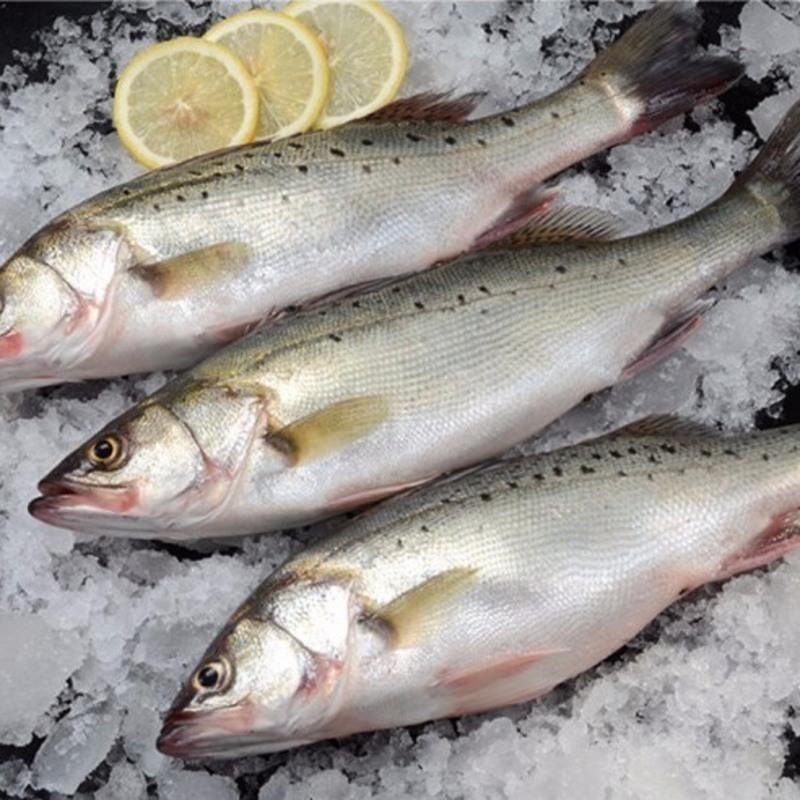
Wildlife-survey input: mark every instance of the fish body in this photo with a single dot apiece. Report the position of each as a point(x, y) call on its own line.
point(489, 589)
point(161, 271)
point(340, 405)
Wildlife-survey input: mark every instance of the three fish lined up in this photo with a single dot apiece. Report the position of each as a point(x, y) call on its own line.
point(479, 590)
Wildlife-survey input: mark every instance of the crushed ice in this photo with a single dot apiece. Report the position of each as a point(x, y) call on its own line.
point(96, 634)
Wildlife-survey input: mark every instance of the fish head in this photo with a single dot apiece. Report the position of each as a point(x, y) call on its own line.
point(53, 301)
point(164, 468)
point(266, 684)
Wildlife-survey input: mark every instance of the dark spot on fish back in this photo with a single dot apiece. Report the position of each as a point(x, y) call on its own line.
point(486, 497)
point(508, 122)
point(482, 142)
point(335, 151)
point(555, 115)
point(419, 305)
point(450, 139)
point(461, 299)
point(295, 145)
point(513, 484)
point(561, 269)
point(367, 142)
point(367, 168)
point(334, 337)
point(413, 137)
point(180, 198)
point(558, 472)
point(302, 168)
point(277, 154)
point(396, 160)
point(204, 194)
point(484, 290)
point(587, 470)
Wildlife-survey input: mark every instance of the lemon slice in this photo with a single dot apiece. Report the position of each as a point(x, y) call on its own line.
point(287, 64)
point(178, 99)
point(366, 51)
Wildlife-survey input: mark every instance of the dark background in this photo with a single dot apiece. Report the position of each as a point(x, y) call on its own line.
point(19, 22)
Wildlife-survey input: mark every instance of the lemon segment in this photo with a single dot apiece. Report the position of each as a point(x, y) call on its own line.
point(287, 64)
point(181, 98)
point(366, 51)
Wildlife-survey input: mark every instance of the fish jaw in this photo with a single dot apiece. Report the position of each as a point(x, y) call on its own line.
point(221, 733)
point(66, 504)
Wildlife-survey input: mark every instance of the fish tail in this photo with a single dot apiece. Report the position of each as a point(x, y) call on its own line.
point(774, 175)
point(658, 65)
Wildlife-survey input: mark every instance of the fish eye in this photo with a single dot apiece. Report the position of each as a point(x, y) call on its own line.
point(106, 452)
point(212, 676)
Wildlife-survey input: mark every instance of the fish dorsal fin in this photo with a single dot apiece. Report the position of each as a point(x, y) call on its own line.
point(665, 425)
point(417, 613)
point(562, 224)
point(428, 107)
point(174, 277)
point(330, 428)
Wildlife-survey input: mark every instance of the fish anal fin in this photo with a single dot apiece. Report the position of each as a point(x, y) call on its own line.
point(421, 611)
point(523, 208)
point(562, 224)
point(428, 107)
point(174, 277)
point(670, 340)
point(779, 537)
point(330, 428)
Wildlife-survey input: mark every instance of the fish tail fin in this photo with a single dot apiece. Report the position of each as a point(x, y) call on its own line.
point(658, 65)
point(774, 175)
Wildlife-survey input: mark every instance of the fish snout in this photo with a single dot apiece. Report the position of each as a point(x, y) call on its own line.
point(178, 735)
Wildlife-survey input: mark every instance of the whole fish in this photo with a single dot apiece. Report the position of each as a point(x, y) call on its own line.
point(339, 406)
point(161, 271)
point(486, 590)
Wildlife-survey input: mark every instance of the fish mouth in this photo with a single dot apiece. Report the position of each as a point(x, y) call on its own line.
point(66, 504)
point(218, 733)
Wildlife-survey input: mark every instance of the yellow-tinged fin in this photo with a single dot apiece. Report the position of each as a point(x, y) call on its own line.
point(176, 277)
point(330, 428)
point(418, 613)
point(563, 224)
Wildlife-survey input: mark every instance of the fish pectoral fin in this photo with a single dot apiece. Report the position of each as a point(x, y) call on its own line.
point(418, 612)
point(670, 339)
point(523, 208)
point(428, 107)
point(474, 679)
point(174, 277)
point(330, 428)
point(562, 224)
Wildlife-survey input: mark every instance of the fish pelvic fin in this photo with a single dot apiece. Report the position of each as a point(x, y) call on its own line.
point(330, 428)
point(658, 63)
point(419, 612)
point(175, 277)
point(774, 175)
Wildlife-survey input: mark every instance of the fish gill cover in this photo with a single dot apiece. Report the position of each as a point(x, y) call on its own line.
point(96, 634)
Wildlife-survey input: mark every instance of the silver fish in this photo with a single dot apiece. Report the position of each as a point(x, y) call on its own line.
point(339, 406)
point(486, 590)
point(161, 271)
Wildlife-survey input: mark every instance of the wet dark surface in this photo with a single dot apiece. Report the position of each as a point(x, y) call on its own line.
point(19, 23)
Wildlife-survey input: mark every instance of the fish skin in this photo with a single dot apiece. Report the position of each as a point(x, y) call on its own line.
point(292, 220)
point(437, 371)
point(570, 555)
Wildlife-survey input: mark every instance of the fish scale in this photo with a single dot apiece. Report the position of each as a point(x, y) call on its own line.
point(492, 587)
point(389, 388)
point(161, 271)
